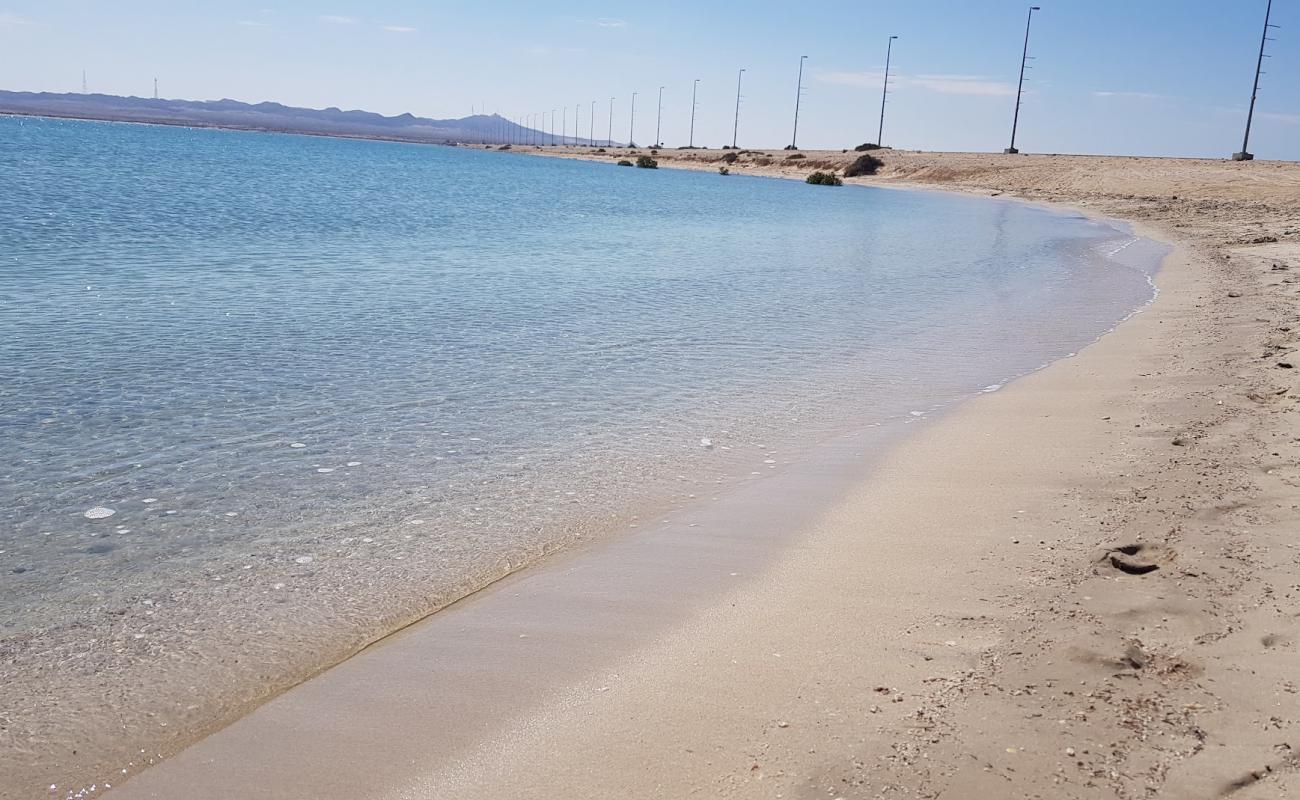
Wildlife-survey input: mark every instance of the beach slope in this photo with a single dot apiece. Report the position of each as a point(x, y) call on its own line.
point(1083, 585)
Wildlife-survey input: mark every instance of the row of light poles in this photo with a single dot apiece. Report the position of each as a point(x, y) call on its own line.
point(528, 136)
point(525, 132)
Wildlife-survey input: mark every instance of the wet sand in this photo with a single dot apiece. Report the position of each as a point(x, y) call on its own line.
point(1079, 586)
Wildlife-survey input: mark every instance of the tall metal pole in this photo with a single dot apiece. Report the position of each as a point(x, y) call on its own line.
point(735, 128)
point(631, 125)
point(1245, 155)
point(889, 51)
point(659, 118)
point(1015, 121)
point(577, 117)
point(794, 138)
point(552, 127)
point(564, 126)
point(694, 87)
point(609, 136)
point(591, 126)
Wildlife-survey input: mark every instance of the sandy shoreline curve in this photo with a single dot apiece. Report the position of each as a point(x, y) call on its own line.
point(1080, 586)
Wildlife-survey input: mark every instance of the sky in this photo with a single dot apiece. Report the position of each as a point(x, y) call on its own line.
point(1136, 77)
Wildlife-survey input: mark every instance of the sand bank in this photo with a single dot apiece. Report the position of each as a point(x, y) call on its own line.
point(978, 617)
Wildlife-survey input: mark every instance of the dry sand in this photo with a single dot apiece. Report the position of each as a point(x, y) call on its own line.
point(1085, 585)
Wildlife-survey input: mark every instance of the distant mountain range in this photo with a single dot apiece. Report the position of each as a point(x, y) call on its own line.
point(273, 117)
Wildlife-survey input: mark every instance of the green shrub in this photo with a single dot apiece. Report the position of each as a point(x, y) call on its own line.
point(646, 162)
point(625, 163)
point(864, 165)
point(824, 179)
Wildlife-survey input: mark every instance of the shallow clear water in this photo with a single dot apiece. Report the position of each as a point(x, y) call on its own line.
point(357, 379)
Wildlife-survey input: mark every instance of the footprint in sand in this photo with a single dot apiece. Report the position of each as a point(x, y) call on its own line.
point(1133, 559)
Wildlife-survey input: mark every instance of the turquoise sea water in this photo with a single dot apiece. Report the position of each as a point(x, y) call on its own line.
point(345, 381)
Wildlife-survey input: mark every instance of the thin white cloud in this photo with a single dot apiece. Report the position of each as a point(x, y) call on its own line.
point(969, 85)
point(1285, 119)
point(606, 22)
point(856, 79)
point(973, 85)
point(1129, 95)
point(335, 19)
point(397, 28)
point(8, 20)
point(547, 50)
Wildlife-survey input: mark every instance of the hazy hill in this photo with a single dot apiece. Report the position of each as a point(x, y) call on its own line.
point(267, 117)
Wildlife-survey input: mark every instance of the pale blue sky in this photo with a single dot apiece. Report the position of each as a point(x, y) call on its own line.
point(1150, 77)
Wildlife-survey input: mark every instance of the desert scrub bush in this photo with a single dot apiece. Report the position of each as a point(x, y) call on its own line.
point(864, 165)
point(731, 157)
point(864, 147)
point(600, 149)
point(795, 156)
point(624, 163)
point(646, 162)
point(824, 179)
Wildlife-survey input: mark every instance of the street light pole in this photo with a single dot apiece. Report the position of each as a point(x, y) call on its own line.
point(564, 126)
point(794, 138)
point(889, 51)
point(609, 137)
point(735, 127)
point(691, 142)
point(659, 118)
point(631, 125)
point(1245, 154)
point(591, 126)
point(1015, 121)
